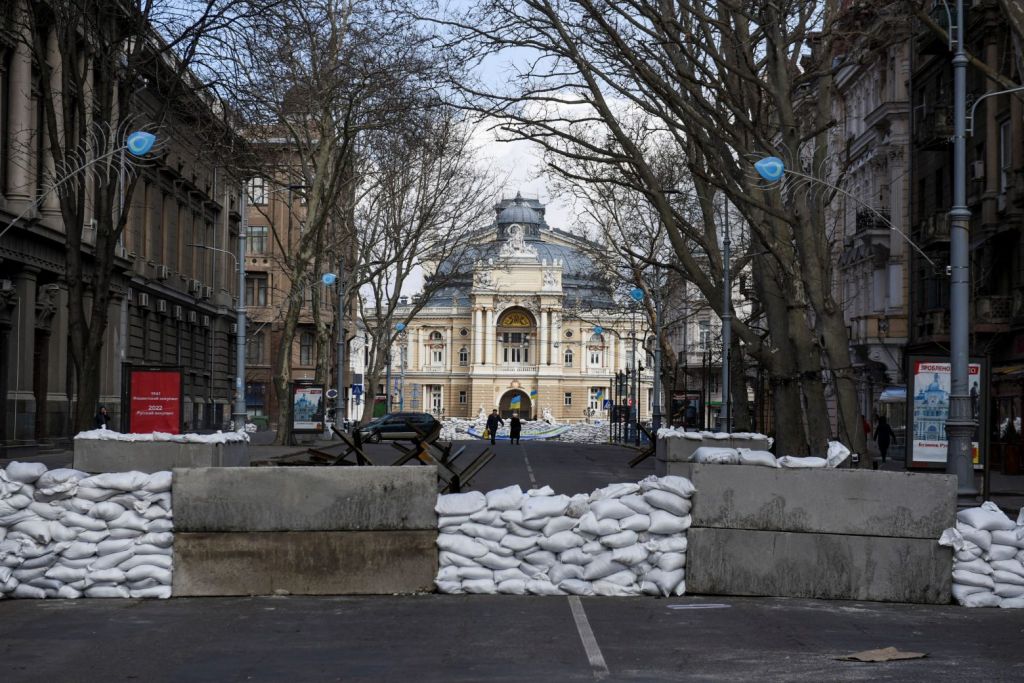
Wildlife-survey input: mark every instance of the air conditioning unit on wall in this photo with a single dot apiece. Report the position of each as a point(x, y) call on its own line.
point(977, 170)
point(177, 312)
point(193, 317)
point(161, 306)
point(163, 272)
point(194, 286)
point(207, 292)
point(143, 300)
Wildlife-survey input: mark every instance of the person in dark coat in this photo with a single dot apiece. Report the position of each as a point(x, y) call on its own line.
point(102, 419)
point(493, 420)
point(515, 428)
point(883, 435)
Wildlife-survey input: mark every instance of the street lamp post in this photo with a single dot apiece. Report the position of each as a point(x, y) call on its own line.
point(637, 295)
point(656, 417)
point(401, 373)
point(725, 412)
point(340, 403)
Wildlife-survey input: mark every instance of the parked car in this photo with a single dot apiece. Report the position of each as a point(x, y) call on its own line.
point(398, 426)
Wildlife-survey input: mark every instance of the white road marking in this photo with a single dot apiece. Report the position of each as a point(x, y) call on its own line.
point(597, 662)
point(700, 605)
point(529, 470)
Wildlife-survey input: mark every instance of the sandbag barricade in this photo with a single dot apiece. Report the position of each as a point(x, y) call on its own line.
point(988, 560)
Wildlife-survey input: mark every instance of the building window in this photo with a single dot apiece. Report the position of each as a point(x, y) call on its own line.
point(515, 348)
point(1005, 156)
point(596, 398)
point(463, 356)
point(436, 400)
point(568, 358)
point(567, 400)
point(437, 357)
point(463, 398)
point(254, 349)
point(258, 191)
point(463, 332)
point(703, 334)
point(306, 348)
point(255, 290)
point(595, 358)
point(256, 240)
point(255, 398)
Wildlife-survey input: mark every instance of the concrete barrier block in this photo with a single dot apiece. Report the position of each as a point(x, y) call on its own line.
point(834, 501)
point(305, 499)
point(304, 563)
point(677, 449)
point(94, 455)
point(829, 566)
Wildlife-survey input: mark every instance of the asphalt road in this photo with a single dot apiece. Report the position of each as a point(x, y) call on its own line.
point(499, 638)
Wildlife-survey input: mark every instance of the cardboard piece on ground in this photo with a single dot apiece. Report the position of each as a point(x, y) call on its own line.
point(885, 654)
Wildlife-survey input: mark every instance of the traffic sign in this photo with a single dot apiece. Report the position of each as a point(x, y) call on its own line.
point(357, 389)
point(332, 394)
point(607, 404)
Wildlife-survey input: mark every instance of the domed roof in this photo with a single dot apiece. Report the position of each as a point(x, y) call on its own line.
point(518, 211)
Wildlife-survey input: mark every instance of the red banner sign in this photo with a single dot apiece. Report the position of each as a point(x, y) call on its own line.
point(155, 401)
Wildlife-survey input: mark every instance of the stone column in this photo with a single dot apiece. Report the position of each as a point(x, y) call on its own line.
point(609, 353)
point(19, 355)
point(488, 339)
point(543, 343)
point(555, 336)
point(20, 178)
point(51, 204)
point(478, 332)
point(46, 308)
point(8, 308)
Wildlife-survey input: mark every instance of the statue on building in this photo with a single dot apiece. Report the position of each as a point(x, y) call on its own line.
point(484, 279)
point(550, 281)
point(516, 245)
point(547, 416)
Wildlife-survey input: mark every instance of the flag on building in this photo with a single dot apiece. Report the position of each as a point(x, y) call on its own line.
point(516, 402)
point(533, 394)
point(599, 394)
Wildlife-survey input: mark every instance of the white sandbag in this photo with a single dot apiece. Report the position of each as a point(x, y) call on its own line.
point(1012, 603)
point(1014, 566)
point(460, 503)
point(121, 534)
point(510, 575)
point(146, 571)
point(44, 561)
point(24, 590)
point(17, 517)
point(593, 548)
point(1007, 537)
point(449, 587)
point(63, 534)
point(982, 539)
point(155, 512)
point(46, 511)
point(112, 575)
point(495, 547)
point(162, 539)
point(623, 578)
point(630, 555)
point(578, 506)
point(988, 517)
point(485, 516)
point(28, 548)
point(562, 572)
point(610, 509)
point(542, 587)
point(474, 530)
point(109, 547)
point(973, 579)
point(1001, 552)
point(107, 592)
point(145, 583)
point(130, 519)
point(666, 523)
point(461, 545)
point(667, 582)
point(464, 573)
point(79, 549)
point(519, 543)
point(601, 567)
point(55, 477)
point(508, 498)
point(637, 504)
point(448, 573)
point(669, 502)
point(837, 454)
point(715, 455)
point(159, 482)
point(158, 592)
point(589, 524)
point(14, 502)
point(976, 566)
point(951, 538)
point(106, 510)
point(676, 543)
point(92, 536)
point(26, 575)
point(542, 491)
point(758, 458)
point(560, 542)
point(24, 472)
point(84, 522)
point(68, 593)
point(541, 558)
point(576, 587)
point(614, 590)
point(79, 505)
point(558, 524)
point(117, 481)
point(576, 556)
point(93, 494)
point(681, 486)
point(451, 521)
point(533, 525)
point(984, 599)
point(614, 491)
point(670, 562)
point(38, 530)
point(540, 507)
point(638, 522)
point(112, 560)
point(1000, 576)
point(532, 571)
point(445, 558)
point(512, 587)
point(512, 516)
point(479, 586)
point(620, 539)
point(494, 561)
point(797, 462)
point(150, 549)
point(162, 500)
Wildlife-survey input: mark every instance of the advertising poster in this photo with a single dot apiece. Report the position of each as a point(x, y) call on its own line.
point(307, 409)
point(928, 405)
point(154, 401)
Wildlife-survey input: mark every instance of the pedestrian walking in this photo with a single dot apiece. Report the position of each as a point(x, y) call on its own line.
point(515, 428)
point(102, 419)
point(493, 420)
point(883, 436)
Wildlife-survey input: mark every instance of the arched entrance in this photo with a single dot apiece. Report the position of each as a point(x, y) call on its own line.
point(508, 404)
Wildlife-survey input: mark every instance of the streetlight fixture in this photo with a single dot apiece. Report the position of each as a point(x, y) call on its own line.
point(341, 404)
point(637, 295)
point(725, 412)
point(401, 373)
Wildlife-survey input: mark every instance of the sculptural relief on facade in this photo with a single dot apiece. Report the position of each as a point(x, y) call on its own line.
point(516, 246)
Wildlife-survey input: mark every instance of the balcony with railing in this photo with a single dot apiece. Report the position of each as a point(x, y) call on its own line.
point(934, 230)
point(933, 127)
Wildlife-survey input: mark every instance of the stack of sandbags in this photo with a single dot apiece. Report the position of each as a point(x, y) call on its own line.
point(988, 565)
point(623, 539)
point(66, 534)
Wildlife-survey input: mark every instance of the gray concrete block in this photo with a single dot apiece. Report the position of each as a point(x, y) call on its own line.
point(304, 563)
point(96, 456)
point(829, 566)
point(833, 501)
point(305, 499)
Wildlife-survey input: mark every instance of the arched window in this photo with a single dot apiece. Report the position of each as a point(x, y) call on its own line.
point(595, 347)
point(463, 356)
point(436, 336)
point(568, 358)
point(436, 343)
